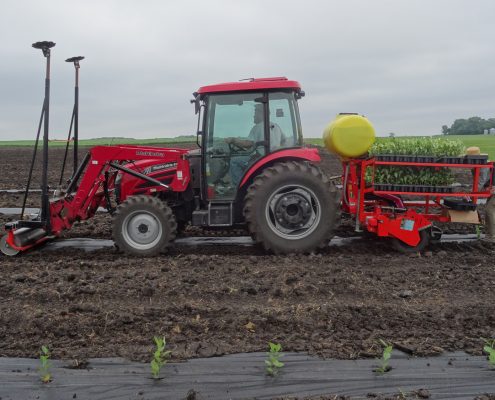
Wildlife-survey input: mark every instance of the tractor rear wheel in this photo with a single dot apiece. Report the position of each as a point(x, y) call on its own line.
point(143, 225)
point(292, 207)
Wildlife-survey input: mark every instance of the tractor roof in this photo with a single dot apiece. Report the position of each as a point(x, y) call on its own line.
point(279, 82)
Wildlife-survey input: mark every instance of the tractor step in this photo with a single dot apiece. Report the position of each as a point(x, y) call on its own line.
point(217, 214)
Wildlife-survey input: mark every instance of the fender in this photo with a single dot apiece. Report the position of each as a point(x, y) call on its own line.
point(303, 153)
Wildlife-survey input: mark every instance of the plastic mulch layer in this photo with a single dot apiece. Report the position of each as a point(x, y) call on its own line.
point(242, 376)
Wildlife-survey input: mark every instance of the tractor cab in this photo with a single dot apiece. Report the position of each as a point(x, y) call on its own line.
point(239, 124)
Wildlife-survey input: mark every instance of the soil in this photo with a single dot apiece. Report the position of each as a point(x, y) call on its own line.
point(219, 300)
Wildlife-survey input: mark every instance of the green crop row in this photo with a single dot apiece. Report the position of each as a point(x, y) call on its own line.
point(412, 176)
point(421, 146)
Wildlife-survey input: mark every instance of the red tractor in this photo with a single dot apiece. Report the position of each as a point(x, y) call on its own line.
point(251, 170)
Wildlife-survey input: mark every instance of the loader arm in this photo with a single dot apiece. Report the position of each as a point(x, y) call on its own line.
point(101, 168)
point(87, 190)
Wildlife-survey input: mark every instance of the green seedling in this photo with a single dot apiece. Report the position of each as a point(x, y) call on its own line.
point(160, 356)
point(401, 175)
point(402, 395)
point(478, 231)
point(273, 364)
point(387, 353)
point(489, 348)
point(45, 364)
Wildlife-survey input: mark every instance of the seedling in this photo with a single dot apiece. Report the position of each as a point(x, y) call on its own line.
point(273, 364)
point(45, 364)
point(160, 356)
point(402, 395)
point(478, 232)
point(435, 148)
point(387, 353)
point(489, 348)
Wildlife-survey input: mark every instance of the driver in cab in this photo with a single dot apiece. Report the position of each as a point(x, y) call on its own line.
point(255, 138)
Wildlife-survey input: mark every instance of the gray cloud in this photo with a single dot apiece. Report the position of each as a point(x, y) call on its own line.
point(410, 66)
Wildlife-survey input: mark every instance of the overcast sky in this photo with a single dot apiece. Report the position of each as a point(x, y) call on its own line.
point(410, 66)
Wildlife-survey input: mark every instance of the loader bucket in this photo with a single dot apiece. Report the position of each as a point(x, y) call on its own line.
point(21, 239)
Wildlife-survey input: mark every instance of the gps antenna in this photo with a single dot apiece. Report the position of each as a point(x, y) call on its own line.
point(45, 118)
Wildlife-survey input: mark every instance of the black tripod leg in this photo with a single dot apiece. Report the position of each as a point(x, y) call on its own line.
point(33, 161)
point(67, 146)
point(76, 123)
point(45, 203)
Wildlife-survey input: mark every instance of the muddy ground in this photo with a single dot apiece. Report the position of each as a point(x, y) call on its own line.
point(217, 300)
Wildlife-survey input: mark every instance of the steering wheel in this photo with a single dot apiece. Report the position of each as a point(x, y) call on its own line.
point(235, 148)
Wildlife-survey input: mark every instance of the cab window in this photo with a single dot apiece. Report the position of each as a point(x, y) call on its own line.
point(283, 120)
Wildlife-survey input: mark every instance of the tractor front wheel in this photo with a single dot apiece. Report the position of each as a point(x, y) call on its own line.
point(143, 225)
point(292, 207)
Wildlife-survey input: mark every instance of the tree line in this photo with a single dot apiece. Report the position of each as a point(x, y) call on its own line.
point(469, 126)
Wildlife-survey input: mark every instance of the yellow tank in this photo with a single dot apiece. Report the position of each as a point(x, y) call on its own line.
point(349, 135)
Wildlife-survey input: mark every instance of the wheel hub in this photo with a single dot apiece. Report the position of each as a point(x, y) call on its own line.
point(292, 211)
point(142, 229)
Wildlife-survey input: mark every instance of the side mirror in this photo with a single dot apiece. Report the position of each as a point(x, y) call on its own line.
point(196, 102)
point(300, 94)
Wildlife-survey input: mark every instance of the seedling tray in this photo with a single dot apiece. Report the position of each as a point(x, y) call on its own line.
point(478, 159)
point(451, 160)
point(386, 187)
point(405, 158)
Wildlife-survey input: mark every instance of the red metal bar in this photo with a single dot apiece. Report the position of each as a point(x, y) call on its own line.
point(423, 164)
point(453, 194)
